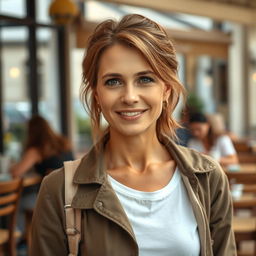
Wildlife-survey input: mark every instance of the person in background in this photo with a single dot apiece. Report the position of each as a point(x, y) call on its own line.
point(209, 138)
point(218, 126)
point(183, 133)
point(44, 151)
point(136, 182)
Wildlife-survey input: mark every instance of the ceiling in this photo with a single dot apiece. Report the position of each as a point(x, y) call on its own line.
point(239, 3)
point(239, 11)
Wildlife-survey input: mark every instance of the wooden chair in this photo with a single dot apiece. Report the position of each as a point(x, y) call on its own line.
point(30, 181)
point(244, 226)
point(241, 146)
point(10, 192)
point(246, 157)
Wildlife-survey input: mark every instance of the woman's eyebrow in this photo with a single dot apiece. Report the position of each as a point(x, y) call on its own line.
point(146, 72)
point(111, 75)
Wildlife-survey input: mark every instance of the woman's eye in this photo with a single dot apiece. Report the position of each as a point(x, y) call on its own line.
point(145, 80)
point(113, 82)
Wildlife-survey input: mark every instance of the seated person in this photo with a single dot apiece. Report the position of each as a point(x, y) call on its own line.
point(183, 133)
point(44, 151)
point(206, 140)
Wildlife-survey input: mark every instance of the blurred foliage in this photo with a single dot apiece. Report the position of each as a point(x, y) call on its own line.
point(195, 103)
point(83, 125)
point(19, 131)
point(14, 139)
point(84, 129)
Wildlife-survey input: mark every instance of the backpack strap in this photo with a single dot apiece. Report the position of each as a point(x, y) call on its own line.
point(73, 216)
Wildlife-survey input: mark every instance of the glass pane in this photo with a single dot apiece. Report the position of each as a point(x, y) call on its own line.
point(48, 76)
point(204, 83)
point(82, 127)
point(13, 8)
point(15, 96)
point(42, 11)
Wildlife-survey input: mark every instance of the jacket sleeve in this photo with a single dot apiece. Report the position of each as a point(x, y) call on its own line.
point(48, 232)
point(221, 216)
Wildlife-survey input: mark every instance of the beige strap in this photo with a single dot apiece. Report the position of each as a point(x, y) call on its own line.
point(73, 216)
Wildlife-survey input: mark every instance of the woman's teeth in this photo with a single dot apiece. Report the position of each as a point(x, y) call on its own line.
point(130, 113)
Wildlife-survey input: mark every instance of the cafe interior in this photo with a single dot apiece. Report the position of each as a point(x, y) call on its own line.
point(42, 44)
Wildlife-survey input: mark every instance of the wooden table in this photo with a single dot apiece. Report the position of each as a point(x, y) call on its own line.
point(244, 221)
point(243, 167)
point(245, 175)
point(247, 200)
point(31, 180)
point(28, 180)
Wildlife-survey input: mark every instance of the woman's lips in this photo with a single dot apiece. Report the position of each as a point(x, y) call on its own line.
point(130, 115)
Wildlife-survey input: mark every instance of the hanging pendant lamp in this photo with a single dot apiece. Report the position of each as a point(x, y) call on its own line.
point(63, 11)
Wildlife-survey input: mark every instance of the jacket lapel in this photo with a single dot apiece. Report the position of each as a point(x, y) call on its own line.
point(94, 190)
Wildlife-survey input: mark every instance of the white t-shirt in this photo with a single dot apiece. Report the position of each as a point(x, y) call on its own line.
point(222, 147)
point(163, 221)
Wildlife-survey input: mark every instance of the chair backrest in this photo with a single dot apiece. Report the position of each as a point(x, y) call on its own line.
point(246, 157)
point(10, 192)
point(242, 186)
point(242, 177)
point(242, 146)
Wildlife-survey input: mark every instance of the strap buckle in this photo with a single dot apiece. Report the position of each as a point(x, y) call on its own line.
point(72, 231)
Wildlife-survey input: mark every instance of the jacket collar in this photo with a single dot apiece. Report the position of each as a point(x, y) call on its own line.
point(188, 160)
point(92, 170)
point(91, 167)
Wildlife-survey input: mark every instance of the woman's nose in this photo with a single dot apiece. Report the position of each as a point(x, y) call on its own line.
point(130, 96)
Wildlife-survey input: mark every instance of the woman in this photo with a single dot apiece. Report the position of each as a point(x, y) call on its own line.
point(211, 140)
point(44, 151)
point(140, 193)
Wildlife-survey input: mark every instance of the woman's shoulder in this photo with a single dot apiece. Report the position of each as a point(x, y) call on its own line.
point(197, 161)
point(53, 183)
point(204, 164)
point(223, 137)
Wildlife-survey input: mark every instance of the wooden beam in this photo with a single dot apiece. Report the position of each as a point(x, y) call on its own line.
point(212, 36)
point(201, 48)
point(215, 10)
point(192, 42)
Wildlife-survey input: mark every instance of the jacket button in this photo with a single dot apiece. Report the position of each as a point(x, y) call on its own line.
point(99, 204)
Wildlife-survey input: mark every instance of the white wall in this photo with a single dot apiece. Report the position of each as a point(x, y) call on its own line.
point(237, 81)
point(252, 78)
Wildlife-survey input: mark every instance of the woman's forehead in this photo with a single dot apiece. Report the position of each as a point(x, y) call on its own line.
point(119, 58)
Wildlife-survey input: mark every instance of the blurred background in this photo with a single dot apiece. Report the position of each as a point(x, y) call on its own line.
point(42, 43)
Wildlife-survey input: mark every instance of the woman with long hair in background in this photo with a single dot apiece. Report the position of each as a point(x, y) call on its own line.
point(44, 151)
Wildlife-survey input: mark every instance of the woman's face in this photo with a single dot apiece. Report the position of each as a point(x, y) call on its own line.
point(199, 129)
point(129, 92)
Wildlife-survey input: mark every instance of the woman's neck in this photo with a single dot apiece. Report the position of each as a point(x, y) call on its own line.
point(136, 152)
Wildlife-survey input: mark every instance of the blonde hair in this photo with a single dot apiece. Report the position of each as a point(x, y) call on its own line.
point(151, 40)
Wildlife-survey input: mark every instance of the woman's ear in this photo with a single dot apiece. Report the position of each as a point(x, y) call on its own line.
point(167, 92)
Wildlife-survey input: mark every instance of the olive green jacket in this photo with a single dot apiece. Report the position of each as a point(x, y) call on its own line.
point(106, 230)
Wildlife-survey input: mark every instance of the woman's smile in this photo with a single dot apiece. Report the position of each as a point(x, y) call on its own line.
point(128, 91)
point(131, 115)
